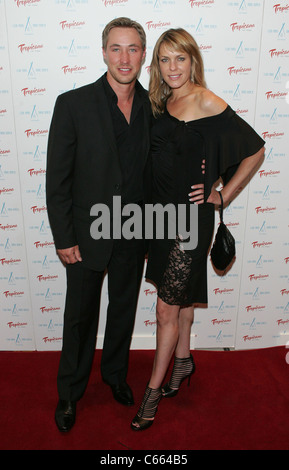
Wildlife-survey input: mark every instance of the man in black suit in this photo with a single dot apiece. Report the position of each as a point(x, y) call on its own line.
point(98, 148)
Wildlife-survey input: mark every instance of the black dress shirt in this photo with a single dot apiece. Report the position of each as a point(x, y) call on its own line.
point(128, 138)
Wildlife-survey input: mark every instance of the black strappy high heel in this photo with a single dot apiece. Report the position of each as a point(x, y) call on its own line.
point(183, 368)
point(145, 415)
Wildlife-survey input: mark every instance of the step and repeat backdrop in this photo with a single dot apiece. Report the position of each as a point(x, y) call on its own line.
point(50, 46)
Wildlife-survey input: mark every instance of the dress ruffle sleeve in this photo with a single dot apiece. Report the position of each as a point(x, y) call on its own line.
point(229, 140)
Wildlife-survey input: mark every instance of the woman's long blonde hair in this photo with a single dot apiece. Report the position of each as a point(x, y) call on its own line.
point(177, 40)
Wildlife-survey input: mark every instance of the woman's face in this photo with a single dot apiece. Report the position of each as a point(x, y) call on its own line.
point(175, 67)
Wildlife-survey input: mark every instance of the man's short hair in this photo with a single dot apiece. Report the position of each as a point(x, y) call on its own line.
point(123, 22)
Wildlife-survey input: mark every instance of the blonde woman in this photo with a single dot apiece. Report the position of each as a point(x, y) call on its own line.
point(191, 124)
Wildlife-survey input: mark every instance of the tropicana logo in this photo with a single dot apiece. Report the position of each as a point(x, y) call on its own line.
point(241, 27)
point(11, 324)
point(112, 3)
point(280, 9)
point(149, 292)
point(222, 291)
point(268, 173)
point(49, 309)
point(257, 277)
point(8, 293)
point(260, 244)
point(31, 133)
point(23, 3)
point(277, 94)
point(218, 322)
point(250, 308)
point(32, 47)
point(8, 226)
point(4, 261)
point(35, 91)
point(43, 244)
point(51, 340)
point(37, 210)
point(160, 24)
point(237, 70)
point(276, 53)
point(201, 3)
point(272, 135)
point(251, 338)
point(76, 68)
point(6, 191)
point(282, 322)
point(73, 24)
point(261, 210)
point(42, 278)
point(33, 172)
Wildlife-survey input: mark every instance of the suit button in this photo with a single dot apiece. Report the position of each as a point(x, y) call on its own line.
point(117, 187)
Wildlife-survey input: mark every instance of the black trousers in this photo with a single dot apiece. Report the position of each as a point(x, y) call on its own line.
point(81, 317)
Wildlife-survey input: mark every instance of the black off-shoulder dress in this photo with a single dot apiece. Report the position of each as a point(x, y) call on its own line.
point(177, 151)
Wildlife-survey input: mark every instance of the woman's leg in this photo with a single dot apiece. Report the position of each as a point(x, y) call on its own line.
point(167, 339)
point(186, 319)
point(173, 334)
point(183, 362)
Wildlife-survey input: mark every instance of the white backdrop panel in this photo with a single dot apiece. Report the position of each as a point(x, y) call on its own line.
point(51, 46)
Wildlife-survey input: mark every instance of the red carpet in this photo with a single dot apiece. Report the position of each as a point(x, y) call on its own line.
point(236, 401)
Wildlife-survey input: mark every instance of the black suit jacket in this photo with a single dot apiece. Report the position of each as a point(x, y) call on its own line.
point(83, 168)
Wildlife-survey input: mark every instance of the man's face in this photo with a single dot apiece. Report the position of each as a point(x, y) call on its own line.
point(123, 55)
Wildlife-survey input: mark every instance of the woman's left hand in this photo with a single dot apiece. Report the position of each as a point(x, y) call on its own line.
point(197, 194)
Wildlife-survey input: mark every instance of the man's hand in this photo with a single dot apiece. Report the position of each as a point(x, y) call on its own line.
point(69, 255)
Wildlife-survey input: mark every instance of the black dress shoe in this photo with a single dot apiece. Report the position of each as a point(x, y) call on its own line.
point(65, 415)
point(123, 394)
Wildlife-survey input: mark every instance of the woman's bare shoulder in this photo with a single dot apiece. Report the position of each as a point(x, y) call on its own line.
point(211, 104)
